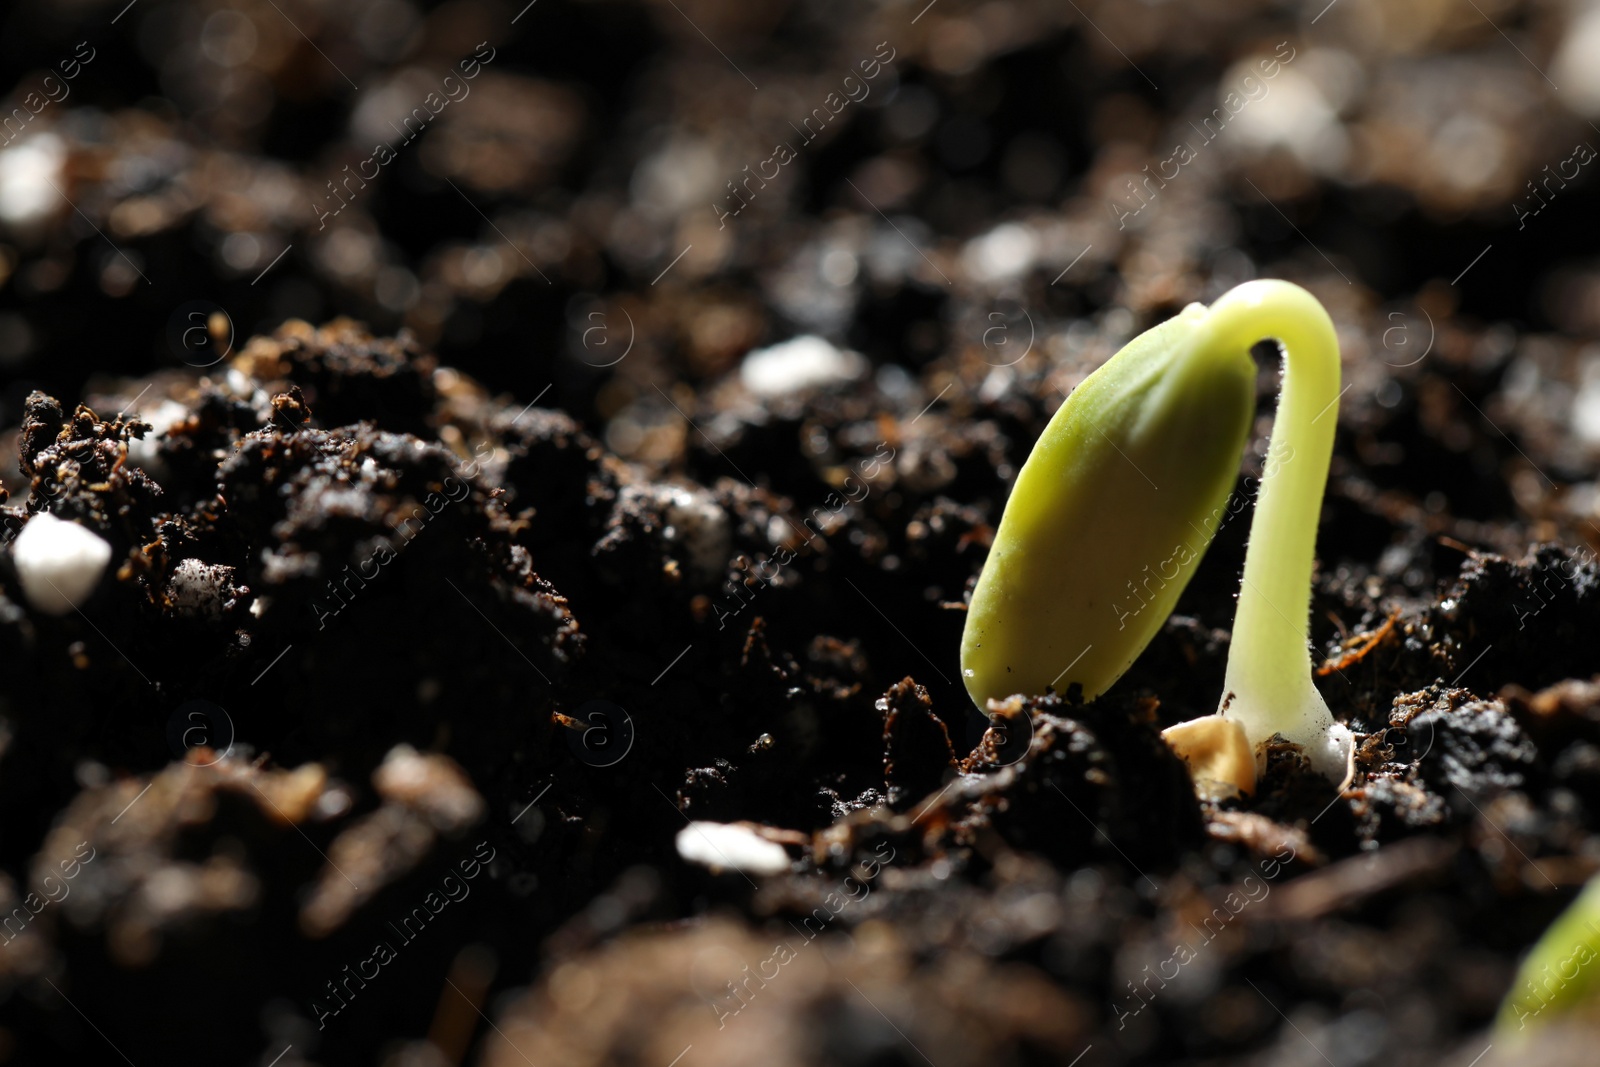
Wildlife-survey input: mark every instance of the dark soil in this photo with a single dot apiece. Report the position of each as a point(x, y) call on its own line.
point(428, 628)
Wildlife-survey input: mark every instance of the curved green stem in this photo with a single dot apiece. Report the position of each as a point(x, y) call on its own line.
point(1269, 688)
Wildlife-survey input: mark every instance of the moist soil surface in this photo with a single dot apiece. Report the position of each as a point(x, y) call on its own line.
point(435, 616)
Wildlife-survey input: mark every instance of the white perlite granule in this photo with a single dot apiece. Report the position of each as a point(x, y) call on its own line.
point(28, 175)
point(727, 846)
point(696, 528)
point(58, 563)
point(200, 589)
point(697, 522)
point(145, 451)
point(804, 362)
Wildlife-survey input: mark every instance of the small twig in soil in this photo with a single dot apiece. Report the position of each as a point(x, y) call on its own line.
point(1365, 643)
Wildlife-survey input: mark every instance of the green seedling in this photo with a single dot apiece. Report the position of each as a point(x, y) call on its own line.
point(1095, 544)
point(1121, 496)
point(1561, 974)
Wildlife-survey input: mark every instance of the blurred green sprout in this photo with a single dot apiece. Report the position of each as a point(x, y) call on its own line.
point(1560, 976)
